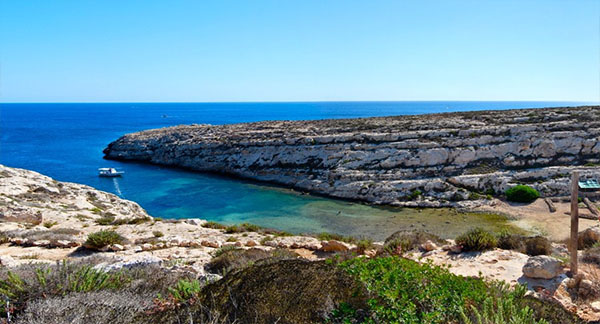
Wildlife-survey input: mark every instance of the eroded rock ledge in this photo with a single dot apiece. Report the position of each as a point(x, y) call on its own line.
point(449, 159)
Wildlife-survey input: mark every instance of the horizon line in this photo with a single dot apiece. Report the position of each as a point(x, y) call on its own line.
point(290, 101)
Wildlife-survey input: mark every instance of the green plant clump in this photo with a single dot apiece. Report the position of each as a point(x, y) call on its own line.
point(477, 239)
point(101, 239)
point(404, 291)
point(522, 193)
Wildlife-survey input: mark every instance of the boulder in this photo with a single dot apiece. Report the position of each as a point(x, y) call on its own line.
point(542, 267)
point(194, 221)
point(428, 246)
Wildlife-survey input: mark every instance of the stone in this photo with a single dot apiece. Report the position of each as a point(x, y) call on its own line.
point(65, 244)
point(147, 247)
point(141, 261)
point(212, 244)
point(589, 236)
point(542, 267)
point(251, 243)
point(7, 261)
point(428, 246)
point(117, 248)
point(588, 289)
point(334, 246)
point(194, 221)
point(41, 243)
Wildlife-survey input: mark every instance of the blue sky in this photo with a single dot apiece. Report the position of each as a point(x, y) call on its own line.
point(81, 51)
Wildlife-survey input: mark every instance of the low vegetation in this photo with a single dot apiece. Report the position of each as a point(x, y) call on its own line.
point(536, 245)
point(404, 241)
point(233, 259)
point(522, 193)
point(404, 291)
point(101, 239)
point(477, 239)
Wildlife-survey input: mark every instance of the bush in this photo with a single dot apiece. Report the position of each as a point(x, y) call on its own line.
point(185, 290)
point(477, 239)
point(158, 234)
point(105, 220)
point(325, 236)
point(404, 241)
point(78, 293)
point(101, 239)
point(214, 225)
point(404, 291)
point(244, 227)
point(239, 258)
point(522, 193)
point(538, 245)
point(363, 245)
point(508, 241)
point(287, 291)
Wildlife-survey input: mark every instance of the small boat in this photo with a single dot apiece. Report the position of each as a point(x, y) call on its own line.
point(109, 172)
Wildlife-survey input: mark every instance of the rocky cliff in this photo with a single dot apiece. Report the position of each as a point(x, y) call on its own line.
point(426, 160)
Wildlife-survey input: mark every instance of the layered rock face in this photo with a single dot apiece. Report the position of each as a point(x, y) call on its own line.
point(425, 160)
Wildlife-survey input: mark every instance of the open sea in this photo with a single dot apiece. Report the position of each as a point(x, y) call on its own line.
point(65, 142)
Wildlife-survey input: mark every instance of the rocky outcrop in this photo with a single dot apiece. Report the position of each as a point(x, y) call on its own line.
point(427, 160)
point(543, 267)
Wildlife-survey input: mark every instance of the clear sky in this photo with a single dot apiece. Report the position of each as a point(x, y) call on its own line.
point(304, 50)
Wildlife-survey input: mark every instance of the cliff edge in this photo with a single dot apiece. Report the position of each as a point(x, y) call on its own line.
point(452, 159)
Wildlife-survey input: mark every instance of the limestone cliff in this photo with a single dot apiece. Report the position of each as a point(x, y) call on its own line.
point(449, 159)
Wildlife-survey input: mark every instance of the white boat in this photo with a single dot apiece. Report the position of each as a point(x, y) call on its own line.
point(109, 172)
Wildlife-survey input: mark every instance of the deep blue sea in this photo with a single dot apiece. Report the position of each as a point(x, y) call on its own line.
point(65, 141)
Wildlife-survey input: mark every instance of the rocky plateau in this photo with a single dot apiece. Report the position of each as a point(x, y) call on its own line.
point(452, 159)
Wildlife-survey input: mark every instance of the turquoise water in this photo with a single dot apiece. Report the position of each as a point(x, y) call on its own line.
point(65, 141)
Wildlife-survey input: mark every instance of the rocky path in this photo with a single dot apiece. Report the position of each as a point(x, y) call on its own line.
point(453, 159)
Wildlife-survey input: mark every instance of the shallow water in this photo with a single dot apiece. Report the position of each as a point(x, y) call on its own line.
point(65, 141)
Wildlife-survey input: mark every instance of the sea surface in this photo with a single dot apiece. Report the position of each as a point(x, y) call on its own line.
point(65, 142)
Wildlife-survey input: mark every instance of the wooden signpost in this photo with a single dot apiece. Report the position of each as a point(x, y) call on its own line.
point(574, 220)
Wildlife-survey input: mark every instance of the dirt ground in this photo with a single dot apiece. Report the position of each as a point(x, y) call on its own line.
point(537, 217)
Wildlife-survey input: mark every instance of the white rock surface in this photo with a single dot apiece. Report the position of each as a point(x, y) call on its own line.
point(542, 267)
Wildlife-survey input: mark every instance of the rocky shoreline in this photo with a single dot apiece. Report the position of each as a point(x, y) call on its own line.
point(437, 160)
point(43, 221)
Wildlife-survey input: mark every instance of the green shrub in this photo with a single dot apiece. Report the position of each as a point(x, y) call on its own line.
point(101, 239)
point(522, 193)
point(324, 236)
point(508, 309)
point(363, 245)
point(404, 241)
point(105, 220)
point(404, 291)
point(244, 227)
point(224, 249)
point(158, 234)
point(49, 224)
point(415, 194)
point(213, 225)
point(477, 239)
point(185, 290)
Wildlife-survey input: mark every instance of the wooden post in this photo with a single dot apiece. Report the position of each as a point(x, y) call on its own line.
point(574, 220)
